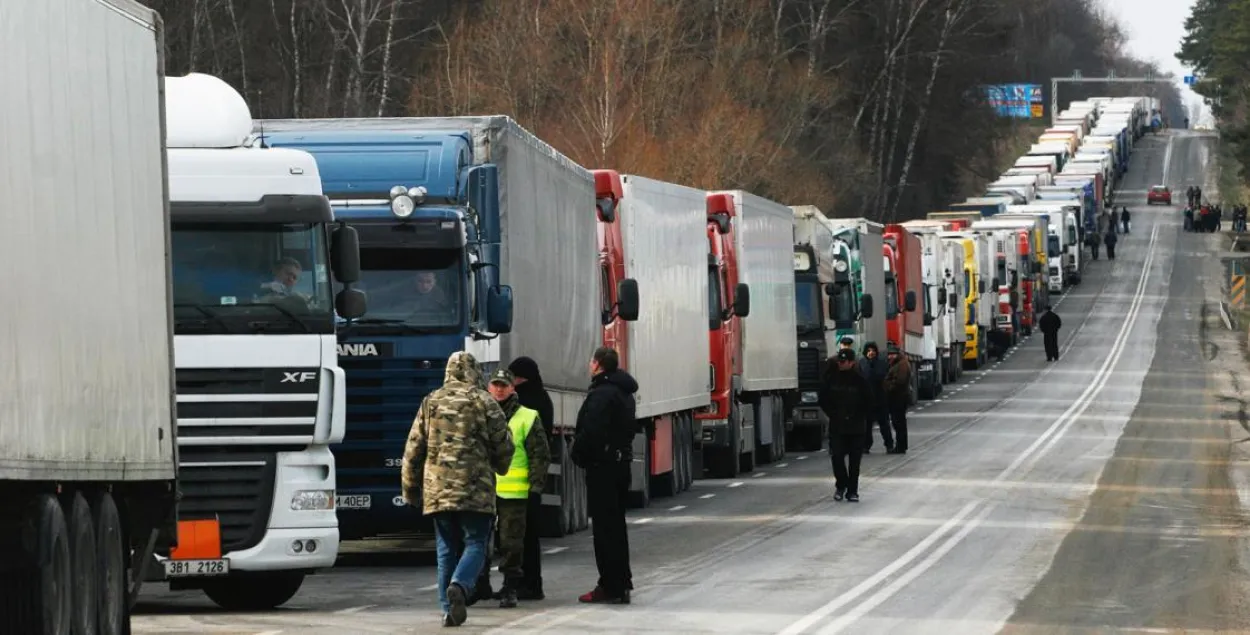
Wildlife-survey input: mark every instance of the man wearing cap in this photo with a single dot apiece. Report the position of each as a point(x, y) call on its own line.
point(846, 344)
point(897, 387)
point(526, 475)
point(845, 397)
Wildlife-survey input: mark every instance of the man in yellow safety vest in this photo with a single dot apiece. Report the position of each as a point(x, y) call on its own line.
point(528, 473)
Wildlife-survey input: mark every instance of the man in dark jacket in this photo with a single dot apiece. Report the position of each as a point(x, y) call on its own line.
point(1050, 325)
point(845, 398)
point(602, 445)
point(532, 394)
point(873, 367)
point(1125, 218)
point(897, 387)
point(1110, 240)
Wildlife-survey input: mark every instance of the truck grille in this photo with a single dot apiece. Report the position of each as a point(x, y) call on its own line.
point(233, 484)
point(266, 411)
point(383, 396)
point(810, 363)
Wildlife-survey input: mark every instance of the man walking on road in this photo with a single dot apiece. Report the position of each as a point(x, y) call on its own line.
point(1050, 325)
point(897, 387)
point(532, 394)
point(1125, 217)
point(526, 474)
point(874, 369)
point(458, 442)
point(845, 398)
point(602, 445)
point(1111, 240)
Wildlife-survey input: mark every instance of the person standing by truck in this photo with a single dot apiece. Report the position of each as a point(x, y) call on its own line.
point(458, 442)
point(602, 445)
point(531, 393)
point(874, 369)
point(1125, 218)
point(526, 475)
point(1110, 239)
point(1050, 325)
point(897, 392)
point(846, 399)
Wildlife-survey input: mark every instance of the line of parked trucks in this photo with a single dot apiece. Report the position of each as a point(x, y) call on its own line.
point(223, 391)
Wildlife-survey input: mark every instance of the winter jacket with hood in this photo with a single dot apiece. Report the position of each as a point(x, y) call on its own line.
point(605, 423)
point(458, 442)
point(531, 392)
point(873, 369)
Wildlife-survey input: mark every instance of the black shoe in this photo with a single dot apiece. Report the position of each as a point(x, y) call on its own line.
point(898, 451)
point(889, 448)
point(530, 593)
point(839, 495)
point(852, 498)
point(456, 598)
point(447, 621)
point(507, 598)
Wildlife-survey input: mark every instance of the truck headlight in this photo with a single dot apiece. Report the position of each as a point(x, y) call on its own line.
point(808, 397)
point(312, 500)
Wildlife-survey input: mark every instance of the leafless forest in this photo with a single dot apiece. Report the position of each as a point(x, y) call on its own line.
point(863, 107)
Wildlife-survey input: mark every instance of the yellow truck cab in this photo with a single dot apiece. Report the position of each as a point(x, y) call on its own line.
point(972, 283)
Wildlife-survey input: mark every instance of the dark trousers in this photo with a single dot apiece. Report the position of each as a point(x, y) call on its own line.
point(1111, 251)
point(880, 417)
point(1125, 226)
point(606, 489)
point(898, 419)
point(532, 567)
point(845, 452)
point(1051, 340)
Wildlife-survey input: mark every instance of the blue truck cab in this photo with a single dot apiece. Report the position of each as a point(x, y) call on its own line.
point(428, 223)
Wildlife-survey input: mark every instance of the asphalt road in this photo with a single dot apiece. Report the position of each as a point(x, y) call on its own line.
point(1100, 492)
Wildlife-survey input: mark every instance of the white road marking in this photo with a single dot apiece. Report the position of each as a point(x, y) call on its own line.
point(643, 521)
point(1029, 456)
point(432, 587)
point(707, 496)
point(676, 508)
point(357, 609)
point(783, 465)
point(555, 550)
point(801, 457)
point(759, 474)
point(735, 484)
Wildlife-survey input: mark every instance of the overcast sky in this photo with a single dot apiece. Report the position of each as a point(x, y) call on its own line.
point(1155, 29)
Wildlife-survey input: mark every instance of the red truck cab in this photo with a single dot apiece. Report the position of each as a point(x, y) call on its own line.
point(1028, 282)
point(608, 194)
point(728, 301)
point(905, 250)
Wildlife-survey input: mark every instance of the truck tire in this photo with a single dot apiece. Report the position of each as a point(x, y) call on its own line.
point(255, 591)
point(111, 606)
point(44, 596)
point(684, 451)
point(84, 584)
point(724, 462)
point(641, 499)
point(779, 432)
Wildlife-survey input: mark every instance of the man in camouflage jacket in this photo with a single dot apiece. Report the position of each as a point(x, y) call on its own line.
point(459, 441)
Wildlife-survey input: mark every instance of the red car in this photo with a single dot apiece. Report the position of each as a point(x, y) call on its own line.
point(1159, 194)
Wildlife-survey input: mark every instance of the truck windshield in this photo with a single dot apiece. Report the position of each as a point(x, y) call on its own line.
point(891, 298)
point(1052, 246)
point(411, 288)
point(807, 305)
point(1002, 270)
point(249, 278)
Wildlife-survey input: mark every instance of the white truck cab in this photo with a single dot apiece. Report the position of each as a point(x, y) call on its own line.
point(260, 396)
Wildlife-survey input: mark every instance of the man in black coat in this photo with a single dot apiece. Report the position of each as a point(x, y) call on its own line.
point(1050, 325)
point(845, 398)
point(531, 393)
point(602, 445)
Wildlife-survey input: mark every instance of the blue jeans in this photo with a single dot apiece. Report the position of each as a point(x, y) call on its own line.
point(462, 538)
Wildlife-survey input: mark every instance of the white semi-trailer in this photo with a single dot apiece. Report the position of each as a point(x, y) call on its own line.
point(87, 440)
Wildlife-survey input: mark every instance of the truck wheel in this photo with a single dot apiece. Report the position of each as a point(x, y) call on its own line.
point(779, 432)
point(687, 452)
point(110, 547)
point(642, 498)
point(45, 595)
point(254, 592)
point(84, 583)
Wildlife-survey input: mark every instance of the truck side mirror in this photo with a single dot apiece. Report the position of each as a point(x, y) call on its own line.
point(499, 309)
point(350, 303)
point(942, 296)
point(345, 254)
point(742, 300)
point(928, 319)
point(980, 286)
point(627, 304)
point(997, 283)
point(909, 301)
point(865, 306)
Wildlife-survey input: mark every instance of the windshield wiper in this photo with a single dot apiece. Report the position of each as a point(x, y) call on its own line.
point(286, 312)
point(213, 317)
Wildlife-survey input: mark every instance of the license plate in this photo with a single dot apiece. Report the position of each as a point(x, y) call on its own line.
point(353, 501)
point(809, 415)
point(184, 568)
